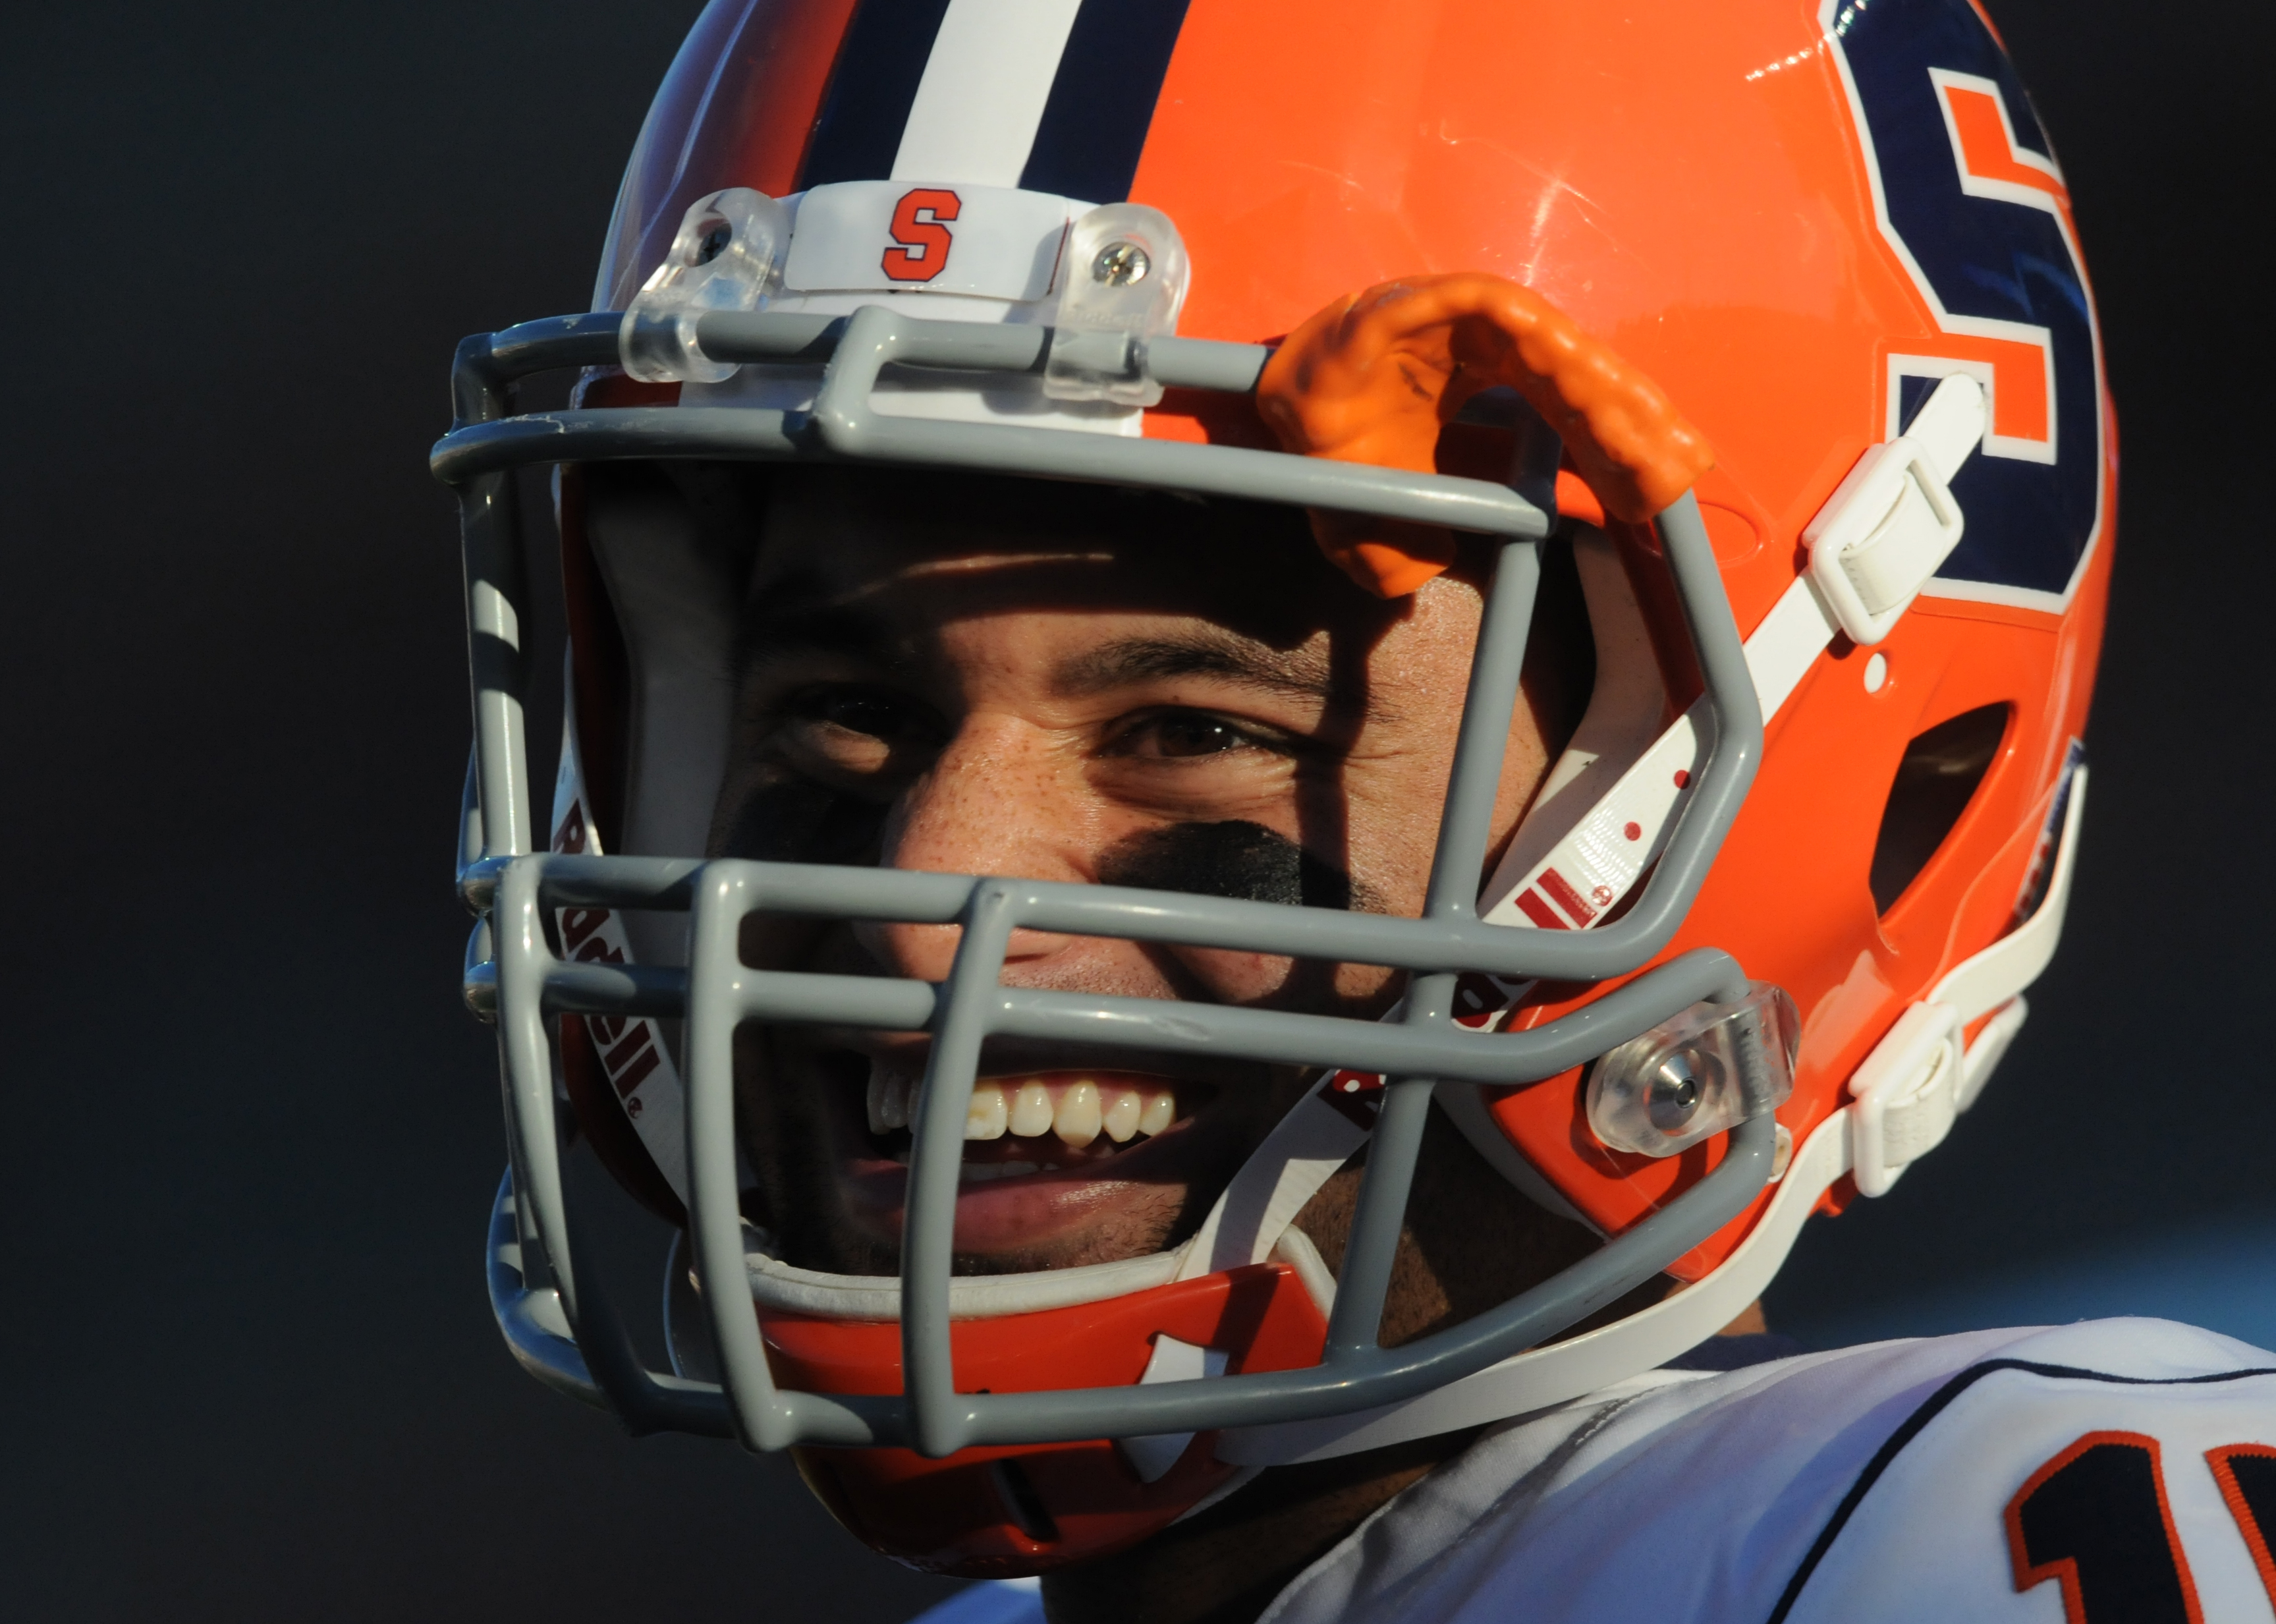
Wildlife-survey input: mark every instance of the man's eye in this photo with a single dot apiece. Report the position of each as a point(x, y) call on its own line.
point(840, 730)
point(857, 713)
point(1181, 734)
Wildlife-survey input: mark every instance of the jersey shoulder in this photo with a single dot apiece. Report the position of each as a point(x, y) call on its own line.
point(2127, 1468)
point(1947, 1478)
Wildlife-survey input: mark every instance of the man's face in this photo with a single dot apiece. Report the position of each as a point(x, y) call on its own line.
point(1092, 687)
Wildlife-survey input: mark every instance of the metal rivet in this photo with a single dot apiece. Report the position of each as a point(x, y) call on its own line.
point(1671, 1096)
point(715, 243)
point(1119, 264)
point(1877, 673)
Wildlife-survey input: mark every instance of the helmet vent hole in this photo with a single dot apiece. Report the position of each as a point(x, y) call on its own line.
point(1017, 1491)
point(1936, 780)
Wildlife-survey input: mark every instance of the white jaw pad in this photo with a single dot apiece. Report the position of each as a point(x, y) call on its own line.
point(776, 1285)
point(676, 578)
point(1544, 1377)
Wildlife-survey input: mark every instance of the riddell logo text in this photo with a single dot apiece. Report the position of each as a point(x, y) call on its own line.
point(627, 1043)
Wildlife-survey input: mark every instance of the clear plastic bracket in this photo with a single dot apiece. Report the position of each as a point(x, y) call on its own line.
point(727, 256)
point(1123, 282)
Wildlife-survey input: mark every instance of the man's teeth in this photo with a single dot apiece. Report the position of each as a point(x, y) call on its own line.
point(888, 1102)
point(1031, 1109)
point(987, 1114)
point(1077, 1111)
point(1075, 1121)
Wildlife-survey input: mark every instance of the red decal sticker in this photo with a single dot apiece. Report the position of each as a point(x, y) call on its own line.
point(577, 923)
point(1571, 900)
point(1540, 912)
point(924, 241)
point(635, 1066)
point(570, 838)
point(1357, 1094)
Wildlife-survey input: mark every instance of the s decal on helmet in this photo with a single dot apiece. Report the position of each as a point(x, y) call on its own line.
point(1705, 978)
point(1968, 192)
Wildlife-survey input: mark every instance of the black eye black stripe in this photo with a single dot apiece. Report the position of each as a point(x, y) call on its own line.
point(1234, 859)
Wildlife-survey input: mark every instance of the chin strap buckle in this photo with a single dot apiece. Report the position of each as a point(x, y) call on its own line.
point(1919, 1077)
point(1891, 523)
point(1908, 1095)
point(1915, 1085)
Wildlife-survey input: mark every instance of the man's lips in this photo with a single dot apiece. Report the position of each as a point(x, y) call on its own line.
point(1043, 1150)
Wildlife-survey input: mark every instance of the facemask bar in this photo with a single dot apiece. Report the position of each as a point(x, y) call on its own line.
point(515, 891)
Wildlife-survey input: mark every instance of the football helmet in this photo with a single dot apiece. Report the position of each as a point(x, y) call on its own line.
point(1773, 312)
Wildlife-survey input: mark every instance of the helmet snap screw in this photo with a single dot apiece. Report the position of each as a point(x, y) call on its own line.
point(1119, 264)
point(715, 243)
point(1671, 1096)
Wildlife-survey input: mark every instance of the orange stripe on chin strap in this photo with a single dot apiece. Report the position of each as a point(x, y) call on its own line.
point(1374, 377)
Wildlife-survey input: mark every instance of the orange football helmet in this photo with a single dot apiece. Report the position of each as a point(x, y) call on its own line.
point(1774, 311)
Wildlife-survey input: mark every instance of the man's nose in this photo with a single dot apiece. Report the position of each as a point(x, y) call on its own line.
point(1002, 799)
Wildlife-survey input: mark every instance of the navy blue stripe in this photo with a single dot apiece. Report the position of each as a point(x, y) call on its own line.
point(880, 63)
point(1101, 100)
point(1935, 1406)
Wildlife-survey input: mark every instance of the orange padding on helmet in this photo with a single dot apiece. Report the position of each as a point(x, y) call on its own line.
point(1374, 377)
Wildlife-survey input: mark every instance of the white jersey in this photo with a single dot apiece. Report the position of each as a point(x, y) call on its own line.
point(2111, 1472)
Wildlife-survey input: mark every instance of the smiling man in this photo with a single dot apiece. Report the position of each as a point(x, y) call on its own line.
point(978, 676)
point(1275, 755)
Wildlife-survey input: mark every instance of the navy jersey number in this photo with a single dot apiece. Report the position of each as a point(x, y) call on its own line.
point(2095, 1519)
point(1971, 198)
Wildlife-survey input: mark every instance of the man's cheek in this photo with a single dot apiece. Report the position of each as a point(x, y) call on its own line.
point(772, 816)
point(1231, 977)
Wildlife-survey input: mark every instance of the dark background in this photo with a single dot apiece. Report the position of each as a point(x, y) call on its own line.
point(248, 1371)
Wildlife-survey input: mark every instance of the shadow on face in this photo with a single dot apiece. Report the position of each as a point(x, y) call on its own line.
point(982, 676)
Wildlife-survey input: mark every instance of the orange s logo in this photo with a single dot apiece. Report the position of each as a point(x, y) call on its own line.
point(924, 241)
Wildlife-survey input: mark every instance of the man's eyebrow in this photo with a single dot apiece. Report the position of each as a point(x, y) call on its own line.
point(1303, 673)
point(806, 612)
point(766, 639)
